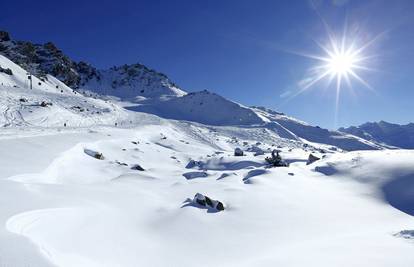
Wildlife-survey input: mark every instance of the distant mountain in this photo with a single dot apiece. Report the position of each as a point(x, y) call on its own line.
point(126, 82)
point(397, 135)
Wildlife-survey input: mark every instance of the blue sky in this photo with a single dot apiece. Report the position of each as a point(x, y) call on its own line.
point(244, 50)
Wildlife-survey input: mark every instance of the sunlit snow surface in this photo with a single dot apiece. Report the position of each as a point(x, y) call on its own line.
point(64, 206)
point(71, 196)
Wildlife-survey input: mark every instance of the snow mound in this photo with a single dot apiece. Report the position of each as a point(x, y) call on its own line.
point(389, 174)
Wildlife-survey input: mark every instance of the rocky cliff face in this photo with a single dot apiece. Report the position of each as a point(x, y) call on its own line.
point(127, 81)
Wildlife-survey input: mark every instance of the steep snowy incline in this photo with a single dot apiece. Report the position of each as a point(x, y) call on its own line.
point(391, 134)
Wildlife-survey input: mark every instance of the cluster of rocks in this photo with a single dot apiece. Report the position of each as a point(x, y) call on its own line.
point(100, 156)
point(6, 71)
point(193, 163)
point(276, 160)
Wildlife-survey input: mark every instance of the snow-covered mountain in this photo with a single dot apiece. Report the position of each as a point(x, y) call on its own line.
point(64, 82)
point(391, 134)
point(126, 82)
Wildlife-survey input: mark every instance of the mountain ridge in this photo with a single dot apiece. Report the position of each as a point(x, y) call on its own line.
point(141, 89)
point(392, 134)
point(125, 81)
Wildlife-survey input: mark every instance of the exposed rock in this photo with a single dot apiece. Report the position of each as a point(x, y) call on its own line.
point(406, 234)
point(207, 202)
point(45, 104)
point(6, 71)
point(276, 159)
point(238, 152)
point(311, 159)
point(121, 163)
point(192, 163)
point(137, 167)
point(193, 175)
point(94, 154)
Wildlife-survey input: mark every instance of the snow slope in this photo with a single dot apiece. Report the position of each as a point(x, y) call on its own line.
point(22, 106)
point(391, 134)
point(203, 107)
point(315, 133)
point(82, 211)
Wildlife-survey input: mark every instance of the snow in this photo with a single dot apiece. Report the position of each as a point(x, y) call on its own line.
point(77, 210)
point(63, 204)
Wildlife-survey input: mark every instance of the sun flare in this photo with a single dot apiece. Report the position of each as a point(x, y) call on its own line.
point(343, 59)
point(341, 63)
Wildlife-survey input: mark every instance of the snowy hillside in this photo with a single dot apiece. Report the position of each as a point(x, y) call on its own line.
point(49, 103)
point(391, 134)
point(315, 133)
point(203, 107)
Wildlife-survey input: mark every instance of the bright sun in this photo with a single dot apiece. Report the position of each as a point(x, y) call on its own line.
point(341, 63)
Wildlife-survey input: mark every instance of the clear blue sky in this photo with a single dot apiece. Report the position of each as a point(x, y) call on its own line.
point(239, 49)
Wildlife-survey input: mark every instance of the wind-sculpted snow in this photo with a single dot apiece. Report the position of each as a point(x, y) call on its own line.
point(80, 210)
point(391, 174)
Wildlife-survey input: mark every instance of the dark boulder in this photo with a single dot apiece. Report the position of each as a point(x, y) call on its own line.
point(311, 159)
point(137, 167)
point(238, 152)
point(207, 202)
point(6, 71)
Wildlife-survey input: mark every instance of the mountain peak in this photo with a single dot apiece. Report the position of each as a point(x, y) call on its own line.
point(125, 82)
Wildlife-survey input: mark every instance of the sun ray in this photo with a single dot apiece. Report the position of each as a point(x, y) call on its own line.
point(360, 80)
point(340, 63)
